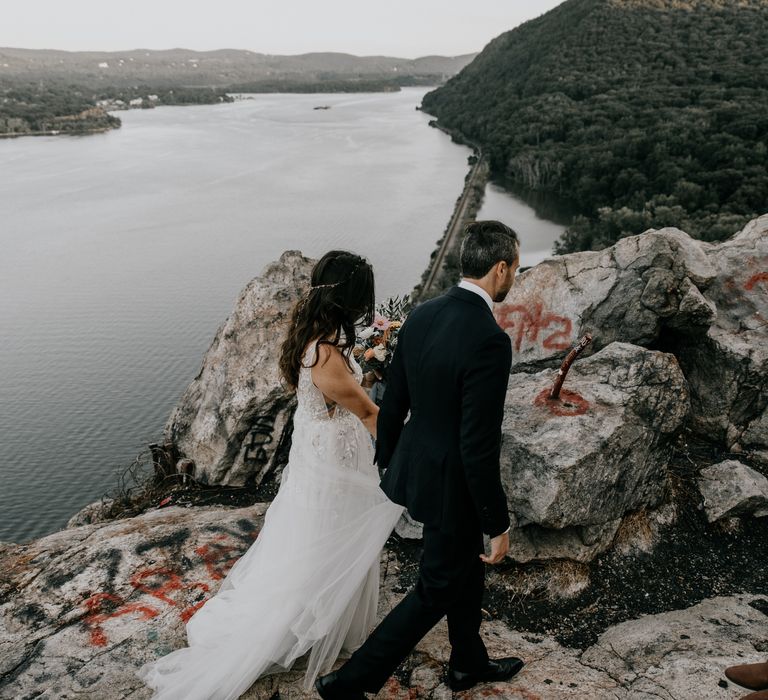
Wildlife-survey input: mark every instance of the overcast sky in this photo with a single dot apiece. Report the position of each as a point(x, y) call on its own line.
point(406, 28)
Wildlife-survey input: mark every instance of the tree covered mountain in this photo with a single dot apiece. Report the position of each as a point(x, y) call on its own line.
point(644, 113)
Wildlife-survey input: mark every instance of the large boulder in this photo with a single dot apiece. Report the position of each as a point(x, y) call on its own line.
point(629, 292)
point(727, 369)
point(574, 467)
point(706, 303)
point(81, 609)
point(234, 419)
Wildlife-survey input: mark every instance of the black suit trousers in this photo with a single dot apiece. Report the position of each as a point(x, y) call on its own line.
point(451, 582)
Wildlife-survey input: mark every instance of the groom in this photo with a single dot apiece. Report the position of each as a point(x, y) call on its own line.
point(450, 369)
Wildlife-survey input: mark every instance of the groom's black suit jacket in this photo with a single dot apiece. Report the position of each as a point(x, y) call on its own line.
point(450, 369)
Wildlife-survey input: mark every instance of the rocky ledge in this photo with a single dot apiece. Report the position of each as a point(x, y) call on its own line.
point(81, 609)
point(640, 492)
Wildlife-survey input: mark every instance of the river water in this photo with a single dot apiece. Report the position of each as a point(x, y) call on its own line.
point(123, 252)
point(537, 218)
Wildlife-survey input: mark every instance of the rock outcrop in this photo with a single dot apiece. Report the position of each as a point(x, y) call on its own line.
point(706, 303)
point(234, 419)
point(574, 467)
point(573, 471)
point(629, 292)
point(82, 609)
point(727, 369)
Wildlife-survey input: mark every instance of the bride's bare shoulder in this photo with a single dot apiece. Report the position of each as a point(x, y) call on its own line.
point(330, 358)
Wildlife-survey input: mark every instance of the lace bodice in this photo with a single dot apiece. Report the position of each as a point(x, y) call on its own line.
point(333, 434)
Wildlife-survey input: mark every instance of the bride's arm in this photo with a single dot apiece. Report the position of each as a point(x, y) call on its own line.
point(332, 376)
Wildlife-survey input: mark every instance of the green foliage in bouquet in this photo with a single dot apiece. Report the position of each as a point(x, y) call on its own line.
point(376, 343)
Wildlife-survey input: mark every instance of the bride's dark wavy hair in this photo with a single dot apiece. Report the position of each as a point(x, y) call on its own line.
point(341, 296)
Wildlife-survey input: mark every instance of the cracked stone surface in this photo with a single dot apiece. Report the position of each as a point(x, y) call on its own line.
point(728, 369)
point(679, 655)
point(81, 609)
point(628, 292)
point(707, 303)
point(234, 416)
point(573, 468)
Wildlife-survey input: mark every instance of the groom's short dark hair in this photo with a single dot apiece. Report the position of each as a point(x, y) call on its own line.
point(486, 243)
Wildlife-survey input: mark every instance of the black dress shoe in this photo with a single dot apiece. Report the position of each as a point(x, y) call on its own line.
point(498, 670)
point(328, 689)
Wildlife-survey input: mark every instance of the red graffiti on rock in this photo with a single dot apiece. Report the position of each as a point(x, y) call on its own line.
point(535, 325)
point(163, 584)
point(98, 606)
point(173, 582)
point(216, 559)
point(752, 282)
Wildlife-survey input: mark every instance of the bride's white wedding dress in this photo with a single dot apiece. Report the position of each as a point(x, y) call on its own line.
point(310, 581)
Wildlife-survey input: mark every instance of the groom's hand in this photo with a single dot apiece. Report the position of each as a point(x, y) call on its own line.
point(499, 549)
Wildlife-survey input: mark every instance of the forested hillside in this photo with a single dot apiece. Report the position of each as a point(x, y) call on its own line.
point(644, 113)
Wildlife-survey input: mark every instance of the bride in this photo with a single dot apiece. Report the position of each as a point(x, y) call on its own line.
point(310, 581)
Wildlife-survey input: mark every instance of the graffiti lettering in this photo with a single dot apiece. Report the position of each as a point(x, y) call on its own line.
point(753, 281)
point(163, 583)
point(214, 556)
point(98, 611)
point(535, 325)
point(260, 435)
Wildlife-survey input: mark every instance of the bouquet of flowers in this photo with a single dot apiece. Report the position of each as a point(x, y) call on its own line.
point(376, 344)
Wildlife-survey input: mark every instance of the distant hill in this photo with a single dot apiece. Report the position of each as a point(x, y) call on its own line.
point(641, 112)
point(214, 68)
point(45, 91)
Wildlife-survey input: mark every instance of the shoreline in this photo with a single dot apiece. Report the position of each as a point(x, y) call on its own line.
point(235, 95)
point(442, 271)
point(59, 132)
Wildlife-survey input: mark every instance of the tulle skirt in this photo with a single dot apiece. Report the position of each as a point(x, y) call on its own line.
point(309, 583)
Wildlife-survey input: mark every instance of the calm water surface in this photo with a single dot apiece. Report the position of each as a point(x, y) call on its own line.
point(539, 219)
point(123, 252)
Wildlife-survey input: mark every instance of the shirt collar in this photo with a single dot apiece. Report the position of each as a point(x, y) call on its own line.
point(472, 287)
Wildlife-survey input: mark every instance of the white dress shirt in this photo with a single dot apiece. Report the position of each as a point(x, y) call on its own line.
point(472, 287)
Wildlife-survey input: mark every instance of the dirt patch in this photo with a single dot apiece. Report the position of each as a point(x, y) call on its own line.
point(693, 561)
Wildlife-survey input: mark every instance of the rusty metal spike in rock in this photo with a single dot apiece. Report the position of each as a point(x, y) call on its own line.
point(567, 362)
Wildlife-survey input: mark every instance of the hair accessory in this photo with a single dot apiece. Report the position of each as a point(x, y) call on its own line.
point(344, 281)
point(305, 298)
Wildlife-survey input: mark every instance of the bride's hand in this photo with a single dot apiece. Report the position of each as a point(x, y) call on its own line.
point(370, 422)
point(370, 378)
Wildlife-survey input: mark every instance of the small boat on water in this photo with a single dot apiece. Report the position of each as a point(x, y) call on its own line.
point(322, 107)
